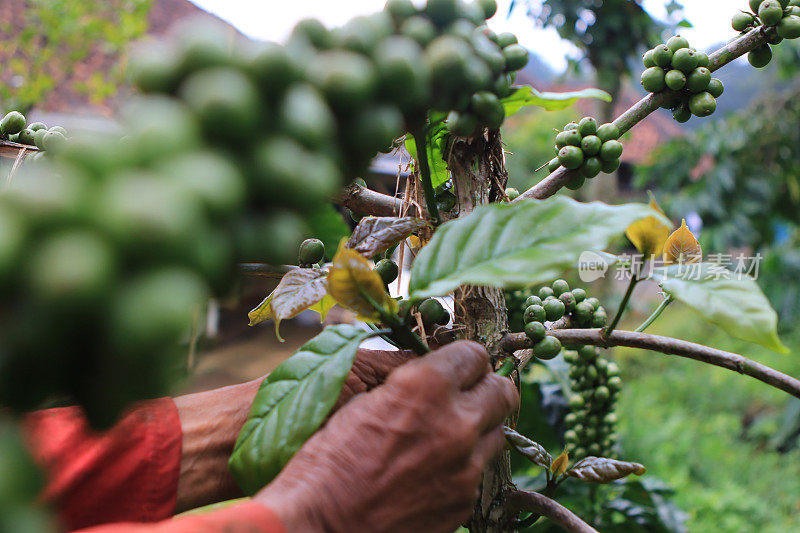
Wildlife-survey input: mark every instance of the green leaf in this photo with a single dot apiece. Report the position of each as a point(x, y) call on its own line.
point(375, 235)
point(604, 470)
point(508, 245)
point(731, 300)
point(291, 404)
point(435, 142)
point(527, 96)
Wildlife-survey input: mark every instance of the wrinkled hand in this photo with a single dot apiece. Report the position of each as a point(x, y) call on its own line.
point(407, 456)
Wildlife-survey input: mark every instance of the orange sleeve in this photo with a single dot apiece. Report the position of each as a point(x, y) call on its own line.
point(126, 474)
point(249, 517)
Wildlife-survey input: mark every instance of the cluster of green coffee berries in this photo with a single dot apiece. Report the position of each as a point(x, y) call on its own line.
point(553, 303)
point(431, 311)
point(591, 424)
point(588, 148)
point(684, 72)
point(782, 19)
point(14, 127)
point(114, 245)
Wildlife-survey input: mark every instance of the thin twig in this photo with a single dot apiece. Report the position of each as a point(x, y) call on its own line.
point(666, 345)
point(657, 313)
point(644, 107)
point(518, 501)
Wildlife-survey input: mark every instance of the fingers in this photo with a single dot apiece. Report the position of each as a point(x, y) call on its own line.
point(462, 363)
point(488, 447)
point(493, 398)
point(372, 367)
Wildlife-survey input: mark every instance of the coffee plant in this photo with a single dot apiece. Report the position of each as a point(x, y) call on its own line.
point(112, 245)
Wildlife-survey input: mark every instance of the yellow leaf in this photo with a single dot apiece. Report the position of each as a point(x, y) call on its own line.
point(354, 285)
point(559, 465)
point(649, 234)
point(323, 306)
point(682, 247)
point(262, 312)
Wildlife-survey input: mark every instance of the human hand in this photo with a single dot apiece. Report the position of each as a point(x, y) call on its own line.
point(407, 456)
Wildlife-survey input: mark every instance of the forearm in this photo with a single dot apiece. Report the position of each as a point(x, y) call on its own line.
point(210, 422)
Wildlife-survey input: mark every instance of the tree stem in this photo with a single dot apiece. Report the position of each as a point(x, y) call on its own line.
point(657, 313)
point(623, 304)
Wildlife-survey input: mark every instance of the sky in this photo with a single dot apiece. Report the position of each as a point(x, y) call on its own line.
point(273, 20)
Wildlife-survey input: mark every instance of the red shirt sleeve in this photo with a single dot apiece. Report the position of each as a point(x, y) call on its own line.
point(126, 474)
point(248, 517)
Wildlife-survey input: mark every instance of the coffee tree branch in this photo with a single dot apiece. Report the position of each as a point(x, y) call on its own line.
point(533, 502)
point(366, 202)
point(650, 103)
point(666, 345)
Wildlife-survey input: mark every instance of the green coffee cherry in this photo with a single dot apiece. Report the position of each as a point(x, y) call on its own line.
point(609, 167)
point(702, 104)
point(592, 167)
point(602, 394)
point(698, 80)
point(594, 302)
point(599, 319)
point(579, 294)
point(611, 150)
point(387, 270)
point(587, 353)
point(742, 21)
point(516, 57)
point(789, 26)
point(571, 419)
point(591, 145)
point(532, 300)
point(461, 124)
point(560, 286)
point(575, 182)
point(547, 348)
point(653, 80)
point(553, 165)
point(534, 313)
point(446, 201)
point(571, 157)
point(754, 4)
point(568, 300)
point(770, 12)
point(554, 309)
point(571, 126)
point(535, 331)
point(587, 126)
point(612, 369)
point(760, 57)
point(675, 80)
point(662, 56)
point(433, 314)
point(568, 138)
point(608, 132)
point(614, 383)
point(544, 292)
point(13, 122)
point(575, 402)
point(684, 60)
point(649, 59)
point(583, 312)
point(682, 114)
point(311, 251)
point(677, 43)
